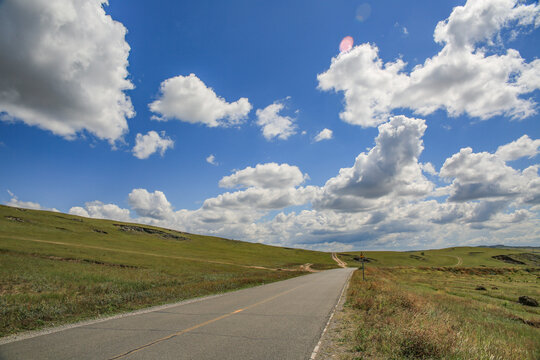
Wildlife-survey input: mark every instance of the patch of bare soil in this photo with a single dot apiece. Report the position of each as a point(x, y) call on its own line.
point(340, 262)
point(89, 261)
point(534, 258)
point(532, 323)
point(73, 260)
point(307, 267)
point(14, 218)
point(68, 218)
point(508, 259)
point(141, 229)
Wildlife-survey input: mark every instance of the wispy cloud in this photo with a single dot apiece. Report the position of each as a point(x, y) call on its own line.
point(211, 159)
point(325, 134)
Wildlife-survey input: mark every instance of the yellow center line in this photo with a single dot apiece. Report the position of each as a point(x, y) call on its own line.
point(132, 252)
point(181, 332)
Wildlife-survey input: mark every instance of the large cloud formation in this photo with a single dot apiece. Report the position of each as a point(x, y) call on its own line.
point(391, 167)
point(63, 67)
point(388, 197)
point(467, 76)
point(383, 200)
point(484, 175)
point(187, 98)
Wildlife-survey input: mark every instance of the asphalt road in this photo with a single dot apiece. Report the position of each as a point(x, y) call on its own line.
point(282, 320)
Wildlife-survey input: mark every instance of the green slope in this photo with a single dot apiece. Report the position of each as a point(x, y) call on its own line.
point(21, 229)
point(57, 268)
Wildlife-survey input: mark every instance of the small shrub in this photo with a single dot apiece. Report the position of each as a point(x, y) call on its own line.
point(528, 301)
point(419, 344)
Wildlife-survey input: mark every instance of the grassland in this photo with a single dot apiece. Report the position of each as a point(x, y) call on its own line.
point(455, 256)
point(458, 303)
point(57, 268)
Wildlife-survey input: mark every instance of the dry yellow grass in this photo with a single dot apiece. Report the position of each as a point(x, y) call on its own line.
point(406, 313)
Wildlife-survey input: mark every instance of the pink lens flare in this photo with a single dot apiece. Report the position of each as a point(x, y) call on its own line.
point(346, 44)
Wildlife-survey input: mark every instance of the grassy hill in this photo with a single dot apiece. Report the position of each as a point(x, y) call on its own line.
point(440, 313)
point(455, 303)
point(57, 268)
point(455, 256)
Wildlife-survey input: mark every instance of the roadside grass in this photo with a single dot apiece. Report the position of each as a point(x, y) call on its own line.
point(57, 268)
point(464, 256)
point(38, 291)
point(437, 313)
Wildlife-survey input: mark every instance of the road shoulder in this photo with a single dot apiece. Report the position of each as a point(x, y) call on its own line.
point(333, 343)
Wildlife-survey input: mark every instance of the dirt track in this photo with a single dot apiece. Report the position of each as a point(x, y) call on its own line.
point(340, 262)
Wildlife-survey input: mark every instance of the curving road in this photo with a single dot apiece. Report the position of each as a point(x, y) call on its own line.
point(282, 320)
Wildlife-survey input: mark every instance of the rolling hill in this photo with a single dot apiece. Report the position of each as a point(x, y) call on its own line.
point(57, 268)
point(454, 256)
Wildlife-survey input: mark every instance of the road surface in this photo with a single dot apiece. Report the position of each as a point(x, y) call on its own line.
point(282, 320)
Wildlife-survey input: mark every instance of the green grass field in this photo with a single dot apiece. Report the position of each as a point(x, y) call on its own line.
point(57, 268)
point(455, 303)
point(440, 313)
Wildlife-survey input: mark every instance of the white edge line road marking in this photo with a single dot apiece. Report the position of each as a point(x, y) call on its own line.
point(345, 287)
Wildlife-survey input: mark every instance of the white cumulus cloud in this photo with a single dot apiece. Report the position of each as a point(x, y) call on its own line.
point(383, 201)
point(266, 176)
point(187, 98)
point(146, 204)
point(325, 134)
point(146, 145)
point(463, 78)
point(63, 67)
point(391, 167)
point(274, 125)
point(99, 210)
point(487, 176)
point(522, 147)
point(15, 202)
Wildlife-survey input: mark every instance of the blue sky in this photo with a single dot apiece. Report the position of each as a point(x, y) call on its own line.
point(113, 111)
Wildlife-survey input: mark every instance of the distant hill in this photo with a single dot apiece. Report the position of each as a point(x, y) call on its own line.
point(489, 256)
point(52, 232)
point(510, 247)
